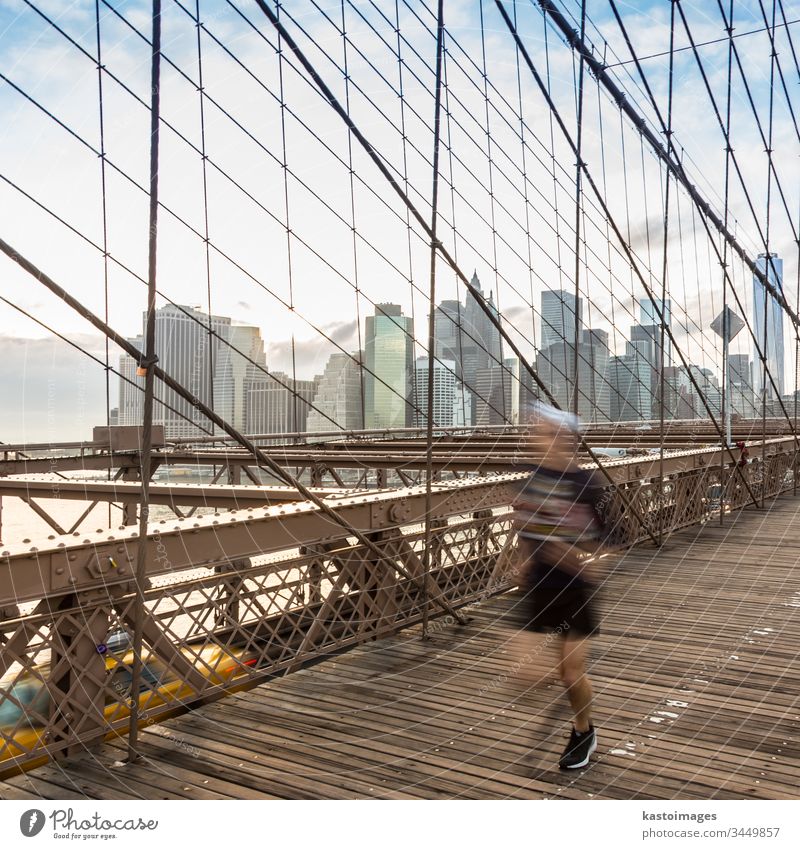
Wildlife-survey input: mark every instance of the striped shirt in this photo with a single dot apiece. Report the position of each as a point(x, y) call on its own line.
point(555, 504)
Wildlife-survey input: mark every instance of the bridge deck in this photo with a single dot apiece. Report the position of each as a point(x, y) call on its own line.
point(695, 673)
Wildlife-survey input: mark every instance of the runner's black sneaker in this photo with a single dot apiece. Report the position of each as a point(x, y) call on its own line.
point(578, 749)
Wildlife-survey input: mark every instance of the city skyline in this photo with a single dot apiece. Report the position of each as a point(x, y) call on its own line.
point(385, 386)
point(289, 240)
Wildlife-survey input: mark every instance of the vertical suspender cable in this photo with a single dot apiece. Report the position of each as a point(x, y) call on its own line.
point(578, 206)
point(492, 217)
point(606, 381)
point(557, 216)
point(105, 220)
point(662, 329)
point(466, 410)
point(204, 160)
point(525, 394)
point(353, 221)
point(796, 367)
point(404, 138)
point(146, 364)
point(727, 395)
point(432, 300)
point(293, 416)
point(768, 266)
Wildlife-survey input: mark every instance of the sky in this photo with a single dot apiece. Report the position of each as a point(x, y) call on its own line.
point(514, 223)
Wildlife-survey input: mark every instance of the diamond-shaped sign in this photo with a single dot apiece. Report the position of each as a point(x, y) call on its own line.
point(727, 323)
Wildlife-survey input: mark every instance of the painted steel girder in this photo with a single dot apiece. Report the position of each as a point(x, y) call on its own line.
point(106, 559)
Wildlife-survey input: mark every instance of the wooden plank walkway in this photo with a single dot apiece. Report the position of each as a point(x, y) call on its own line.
point(696, 679)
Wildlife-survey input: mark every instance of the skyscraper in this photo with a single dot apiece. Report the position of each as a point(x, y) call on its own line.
point(556, 355)
point(186, 351)
point(233, 370)
point(651, 324)
point(203, 362)
point(558, 318)
point(740, 390)
point(648, 311)
point(645, 341)
point(389, 361)
point(556, 368)
point(465, 334)
point(772, 327)
point(447, 322)
point(594, 377)
point(131, 396)
point(498, 394)
point(481, 341)
point(630, 393)
point(277, 403)
point(337, 401)
point(445, 386)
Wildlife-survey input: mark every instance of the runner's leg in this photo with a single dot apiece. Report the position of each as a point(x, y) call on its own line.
point(572, 668)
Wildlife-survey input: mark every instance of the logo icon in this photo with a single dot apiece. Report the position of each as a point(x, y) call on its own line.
point(31, 822)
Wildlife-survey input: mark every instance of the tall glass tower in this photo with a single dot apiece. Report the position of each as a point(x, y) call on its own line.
point(772, 267)
point(389, 358)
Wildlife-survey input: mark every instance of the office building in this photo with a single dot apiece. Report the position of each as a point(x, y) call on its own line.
point(558, 318)
point(629, 377)
point(497, 394)
point(465, 334)
point(389, 373)
point(131, 394)
point(236, 365)
point(278, 404)
point(768, 321)
point(443, 408)
point(555, 366)
point(337, 402)
point(740, 390)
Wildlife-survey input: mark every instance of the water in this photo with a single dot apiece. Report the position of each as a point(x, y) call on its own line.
point(18, 522)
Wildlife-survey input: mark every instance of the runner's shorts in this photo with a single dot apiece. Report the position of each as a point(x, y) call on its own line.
point(567, 610)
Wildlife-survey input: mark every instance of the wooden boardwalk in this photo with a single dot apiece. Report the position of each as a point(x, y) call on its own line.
point(697, 696)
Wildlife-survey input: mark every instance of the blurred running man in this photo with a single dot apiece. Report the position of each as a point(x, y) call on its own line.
point(560, 526)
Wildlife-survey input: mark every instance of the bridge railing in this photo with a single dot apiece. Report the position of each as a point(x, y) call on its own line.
point(239, 596)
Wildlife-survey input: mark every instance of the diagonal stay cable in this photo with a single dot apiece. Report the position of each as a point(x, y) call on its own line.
point(437, 120)
point(364, 142)
point(612, 221)
point(263, 459)
point(599, 70)
point(720, 255)
point(207, 241)
point(91, 356)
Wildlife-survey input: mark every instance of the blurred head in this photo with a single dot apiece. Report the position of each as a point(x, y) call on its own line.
point(554, 435)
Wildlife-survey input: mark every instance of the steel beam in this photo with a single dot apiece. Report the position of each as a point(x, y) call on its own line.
point(105, 559)
point(169, 494)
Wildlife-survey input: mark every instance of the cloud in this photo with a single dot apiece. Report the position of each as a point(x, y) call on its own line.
point(318, 276)
point(50, 391)
point(311, 355)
